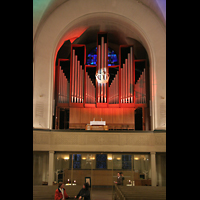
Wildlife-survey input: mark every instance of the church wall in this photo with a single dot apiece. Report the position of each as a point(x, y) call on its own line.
point(99, 141)
point(137, 21)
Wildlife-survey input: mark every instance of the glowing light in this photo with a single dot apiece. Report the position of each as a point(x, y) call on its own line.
point(102, 76)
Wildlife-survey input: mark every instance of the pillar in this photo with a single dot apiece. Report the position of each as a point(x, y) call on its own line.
point(153, 169)
point(51, 168)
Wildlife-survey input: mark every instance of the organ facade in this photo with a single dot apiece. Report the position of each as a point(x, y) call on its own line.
point(117, 86)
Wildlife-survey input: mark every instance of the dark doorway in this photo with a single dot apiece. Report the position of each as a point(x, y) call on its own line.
point(138, 119)
point(64, 118)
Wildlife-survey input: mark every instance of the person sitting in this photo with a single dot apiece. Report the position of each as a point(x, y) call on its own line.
point(84, 192)
point(60, 193)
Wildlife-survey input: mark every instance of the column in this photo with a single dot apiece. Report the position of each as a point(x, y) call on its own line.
point(153, 169)
point(51, 168)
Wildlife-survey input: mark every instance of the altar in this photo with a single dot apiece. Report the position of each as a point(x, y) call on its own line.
point(97, 125)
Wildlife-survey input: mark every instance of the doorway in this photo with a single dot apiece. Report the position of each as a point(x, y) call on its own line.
point(64, 118)
point(138, 119)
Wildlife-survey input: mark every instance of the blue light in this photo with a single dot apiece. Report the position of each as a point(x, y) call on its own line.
point(92, 57)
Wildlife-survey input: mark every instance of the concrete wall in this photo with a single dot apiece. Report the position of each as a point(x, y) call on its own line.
point(98, 141)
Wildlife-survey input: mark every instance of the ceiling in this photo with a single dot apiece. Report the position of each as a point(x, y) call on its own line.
point(43, 8)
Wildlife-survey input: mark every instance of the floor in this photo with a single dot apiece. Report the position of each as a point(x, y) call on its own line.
point(101, 194)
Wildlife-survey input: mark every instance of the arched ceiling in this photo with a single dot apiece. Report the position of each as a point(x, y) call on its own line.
point(43, 8)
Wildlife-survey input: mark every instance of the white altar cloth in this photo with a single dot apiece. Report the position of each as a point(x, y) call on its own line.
point(97, 123)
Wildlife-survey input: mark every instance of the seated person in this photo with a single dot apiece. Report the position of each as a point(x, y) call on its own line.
point(60, 193)
point(84, 192)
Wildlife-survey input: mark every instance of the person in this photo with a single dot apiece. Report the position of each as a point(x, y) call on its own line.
point(119, 179)
point(121, 174)
point(84, 192)
point(60, 193)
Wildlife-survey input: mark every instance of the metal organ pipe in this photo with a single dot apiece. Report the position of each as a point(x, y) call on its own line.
point(73, 66)
point(98, 64)
point(63, 88)
point(105, 69)
point(102, 65)
point(77, 80)
point(127, 80)
point(131, 73)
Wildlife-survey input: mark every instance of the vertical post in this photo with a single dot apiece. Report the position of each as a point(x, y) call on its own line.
point(51, 168)
point(153, 169)
point(72, 169)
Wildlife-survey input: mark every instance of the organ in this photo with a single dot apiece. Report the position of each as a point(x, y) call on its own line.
point(127, 87)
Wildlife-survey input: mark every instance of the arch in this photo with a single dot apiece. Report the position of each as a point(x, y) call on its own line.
point(64, 24)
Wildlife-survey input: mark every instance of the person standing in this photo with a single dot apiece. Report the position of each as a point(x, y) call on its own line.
point(122, 175)
point(119, 179)
point(60, 193)
point(84, 192)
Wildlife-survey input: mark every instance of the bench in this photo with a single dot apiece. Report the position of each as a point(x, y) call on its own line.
point(140, 193)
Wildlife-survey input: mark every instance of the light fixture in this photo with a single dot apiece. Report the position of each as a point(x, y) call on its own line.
point(109, 156)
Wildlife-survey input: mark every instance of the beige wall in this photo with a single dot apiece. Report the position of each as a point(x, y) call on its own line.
point(99, 141)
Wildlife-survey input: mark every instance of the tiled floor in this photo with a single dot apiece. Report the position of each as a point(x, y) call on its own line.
point(101, 194)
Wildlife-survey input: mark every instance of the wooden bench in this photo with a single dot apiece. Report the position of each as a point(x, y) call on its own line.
point(140, 193)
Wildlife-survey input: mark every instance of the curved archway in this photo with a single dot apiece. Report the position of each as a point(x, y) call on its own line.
point(60, 26)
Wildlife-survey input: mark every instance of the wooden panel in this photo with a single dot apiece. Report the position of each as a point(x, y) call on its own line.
point(74, 115)
point(117, 115)
point(86, 115)
point(107, 115)
point(128, 116)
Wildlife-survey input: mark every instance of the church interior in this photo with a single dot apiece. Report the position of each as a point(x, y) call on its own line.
point(99, 93)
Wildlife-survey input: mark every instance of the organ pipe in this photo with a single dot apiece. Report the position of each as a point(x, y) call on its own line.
point(98, 68)
point(105, 69)
point(90, 90)
point(114, 90)
point(140, 89)
point(102, 65)
point(77, 80)
point(63, 88)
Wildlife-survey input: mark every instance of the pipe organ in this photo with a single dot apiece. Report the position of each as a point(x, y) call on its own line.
point(125, 89)
point(63, 87)
point(140, 89)
point(114, 90)
point(90, 90)
point(127, 78)
point(77, 83)
point(108, 91)
point(102, 51)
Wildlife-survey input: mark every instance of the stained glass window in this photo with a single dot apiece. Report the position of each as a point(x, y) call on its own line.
point(101, 161)
point(126, 161)
point(92, 57)
point(76, 161)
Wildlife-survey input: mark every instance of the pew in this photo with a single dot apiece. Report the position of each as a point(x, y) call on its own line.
point(140, 193)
